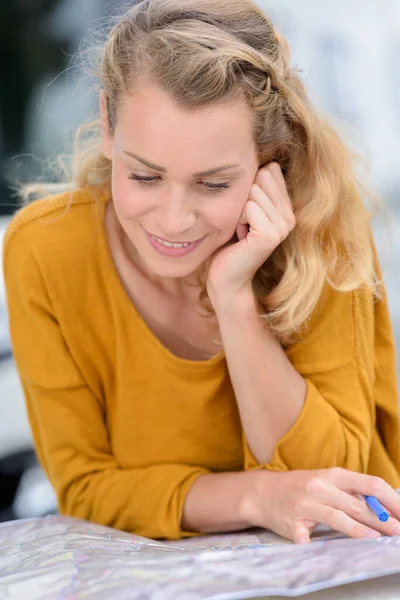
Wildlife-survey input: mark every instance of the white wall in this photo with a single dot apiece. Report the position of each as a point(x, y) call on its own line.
point(349, 52)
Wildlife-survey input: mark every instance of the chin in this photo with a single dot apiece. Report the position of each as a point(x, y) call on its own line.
point(174, 273)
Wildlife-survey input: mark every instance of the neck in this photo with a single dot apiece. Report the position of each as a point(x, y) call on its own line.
point(173, 287)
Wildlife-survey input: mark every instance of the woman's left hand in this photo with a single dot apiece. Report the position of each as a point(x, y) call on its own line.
point(266, 220)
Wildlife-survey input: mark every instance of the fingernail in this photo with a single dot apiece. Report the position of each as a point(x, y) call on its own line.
point(396, 529)
point(368, 533)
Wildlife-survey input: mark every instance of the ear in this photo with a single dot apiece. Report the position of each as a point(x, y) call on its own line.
point(106, 139)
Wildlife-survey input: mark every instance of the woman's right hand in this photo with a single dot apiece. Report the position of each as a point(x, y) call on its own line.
point(292, 503)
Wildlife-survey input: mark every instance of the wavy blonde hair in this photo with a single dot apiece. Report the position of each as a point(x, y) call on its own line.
point(202, 52)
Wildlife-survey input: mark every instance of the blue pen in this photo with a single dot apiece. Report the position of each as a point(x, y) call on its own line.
point(377, 508)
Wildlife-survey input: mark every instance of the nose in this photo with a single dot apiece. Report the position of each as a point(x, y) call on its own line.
point(176, 215)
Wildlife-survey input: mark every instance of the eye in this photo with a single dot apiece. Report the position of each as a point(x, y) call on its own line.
point(208, 187)
point(143, 180)
point(215, 187)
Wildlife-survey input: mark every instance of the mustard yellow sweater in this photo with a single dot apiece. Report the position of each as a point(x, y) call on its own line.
point(123, 427)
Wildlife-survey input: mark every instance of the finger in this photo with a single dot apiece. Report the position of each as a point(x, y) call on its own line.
point(282, 218)
point(261, 226)
point(279, 215)
point(272, 182)
point(280, 179)
point(342, 522)
point(360, 497)
point(258, 196)
point(243, 219)
point(303, 530)
point(263, 233)
point(301, 535)
point(242, 231)
point(353, 505)
point(368, 485)
point(357, 508)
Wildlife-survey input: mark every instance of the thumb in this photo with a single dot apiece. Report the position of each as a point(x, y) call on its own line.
point(302, 536)
point(242, 228)
point(303, 531)
point(242, 231)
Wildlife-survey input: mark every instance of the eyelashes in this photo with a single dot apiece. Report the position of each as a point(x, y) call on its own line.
point(208, 187)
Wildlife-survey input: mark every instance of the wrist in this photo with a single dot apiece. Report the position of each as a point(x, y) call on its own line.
point(252, 502)
point(233, 302)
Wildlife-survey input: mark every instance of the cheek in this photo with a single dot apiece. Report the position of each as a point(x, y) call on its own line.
point(226, 212)
point(129, 200)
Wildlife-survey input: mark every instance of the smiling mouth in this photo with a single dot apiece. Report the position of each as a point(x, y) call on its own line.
point(168, 244)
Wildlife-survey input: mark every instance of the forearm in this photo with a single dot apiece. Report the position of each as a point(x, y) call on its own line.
point(270, 393)
point(220, 502)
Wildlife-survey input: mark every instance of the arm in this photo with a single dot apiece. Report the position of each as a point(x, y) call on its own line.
point(320, 410)
point(324, 415)
point(269, 391)
point(68, 420)
point(73, 447)
point(71, 438)
point(221, 502)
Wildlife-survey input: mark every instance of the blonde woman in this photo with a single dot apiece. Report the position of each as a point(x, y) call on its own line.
point(199, 326)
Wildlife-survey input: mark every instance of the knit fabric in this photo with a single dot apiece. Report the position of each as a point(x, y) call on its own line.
point(123, 427)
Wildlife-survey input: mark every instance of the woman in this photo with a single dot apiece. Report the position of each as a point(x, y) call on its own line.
point(199, 326)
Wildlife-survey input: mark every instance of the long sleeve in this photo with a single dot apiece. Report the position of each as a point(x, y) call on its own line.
point(69, 423)
point(337, 358)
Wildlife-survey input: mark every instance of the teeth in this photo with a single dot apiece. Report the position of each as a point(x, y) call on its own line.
point(169, 244)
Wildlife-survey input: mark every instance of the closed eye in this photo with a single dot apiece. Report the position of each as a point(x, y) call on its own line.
point(143, 180)
point(209, 187)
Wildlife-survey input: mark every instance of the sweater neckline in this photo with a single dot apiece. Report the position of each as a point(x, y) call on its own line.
point(196, 365)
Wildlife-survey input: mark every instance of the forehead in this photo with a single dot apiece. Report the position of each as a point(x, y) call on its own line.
point(150, 115)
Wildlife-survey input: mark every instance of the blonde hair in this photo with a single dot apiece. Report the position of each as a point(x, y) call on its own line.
point(203, 51)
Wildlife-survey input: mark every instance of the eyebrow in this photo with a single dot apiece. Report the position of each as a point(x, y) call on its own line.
point(164, 170)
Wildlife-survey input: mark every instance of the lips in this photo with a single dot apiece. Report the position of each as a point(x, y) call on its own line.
point(160, 239)
point(172, 249)
point(169, 244)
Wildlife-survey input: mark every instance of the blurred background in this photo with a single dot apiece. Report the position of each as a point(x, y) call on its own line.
point(349, 56)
